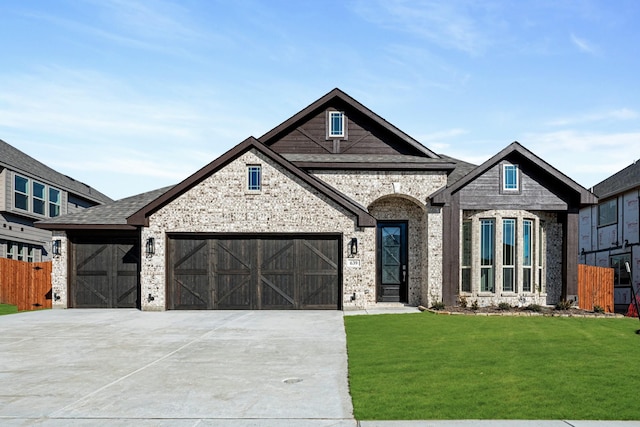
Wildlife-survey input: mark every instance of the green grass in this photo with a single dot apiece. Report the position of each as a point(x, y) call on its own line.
point(427, 366)
point(8, 309)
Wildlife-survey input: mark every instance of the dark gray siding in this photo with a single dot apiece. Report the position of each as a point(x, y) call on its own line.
point(484, 193)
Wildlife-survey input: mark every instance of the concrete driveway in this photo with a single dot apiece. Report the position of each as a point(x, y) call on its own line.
point(178, 368)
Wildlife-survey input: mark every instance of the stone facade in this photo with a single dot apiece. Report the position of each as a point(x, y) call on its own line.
point(399, 209)
point(60, 272)
point(222, 204)
point(432, 287)
point(365, 187)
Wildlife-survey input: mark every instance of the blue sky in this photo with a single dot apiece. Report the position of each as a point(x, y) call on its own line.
point(128, 96)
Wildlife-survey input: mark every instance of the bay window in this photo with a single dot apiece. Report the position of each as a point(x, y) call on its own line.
point(508, 255)
point(487, 236)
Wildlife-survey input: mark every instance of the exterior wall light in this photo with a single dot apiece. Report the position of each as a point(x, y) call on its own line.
point(57, 247)
point(353, 246)
point(150, 247)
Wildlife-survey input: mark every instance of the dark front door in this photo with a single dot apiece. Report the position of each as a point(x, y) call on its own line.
point(392, 261)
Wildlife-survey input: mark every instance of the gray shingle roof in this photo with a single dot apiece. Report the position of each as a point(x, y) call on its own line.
point(113, 213)
point(462, 168)
point(358, 158)
point(619, 182)
point(14, 159)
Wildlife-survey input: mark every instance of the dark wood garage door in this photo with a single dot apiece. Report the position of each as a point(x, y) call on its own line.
point(254, 273)
point(105, 274)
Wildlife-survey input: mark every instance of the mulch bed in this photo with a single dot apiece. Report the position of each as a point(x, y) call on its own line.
point(520, 311)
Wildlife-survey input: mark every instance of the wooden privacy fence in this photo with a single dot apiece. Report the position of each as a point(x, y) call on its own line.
point(25, 284)
point(595, 287)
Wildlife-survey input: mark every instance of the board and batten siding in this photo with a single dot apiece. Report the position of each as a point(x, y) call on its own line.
point(311, 137)
point(485, 193)
point(221, 204)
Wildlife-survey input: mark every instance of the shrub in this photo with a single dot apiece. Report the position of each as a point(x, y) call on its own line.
point(462, 301)
point(438, 305)
point(504, 306)
point(598, 309)
point(534, 307)
point(474, 305)
point(563, 305)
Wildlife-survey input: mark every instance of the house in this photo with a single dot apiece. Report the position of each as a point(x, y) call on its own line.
point(31, 191)
point(335, 208)
point(609, 231)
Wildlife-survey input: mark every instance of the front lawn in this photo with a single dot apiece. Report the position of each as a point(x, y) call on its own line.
point(8, 309)
point(427, 366)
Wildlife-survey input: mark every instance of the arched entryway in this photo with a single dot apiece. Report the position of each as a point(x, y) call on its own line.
point(401, 246)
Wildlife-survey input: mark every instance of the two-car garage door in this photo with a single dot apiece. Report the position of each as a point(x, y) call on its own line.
point(253, 272)
point(212, 272)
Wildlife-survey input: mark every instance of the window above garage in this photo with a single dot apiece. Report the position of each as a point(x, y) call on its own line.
point(254, 174)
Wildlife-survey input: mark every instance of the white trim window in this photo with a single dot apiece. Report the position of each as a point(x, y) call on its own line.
point(487, 255)
point(11, 250)
point(32, 196)
point(336, 128)
point(527, 255)
point(39, 198)
point(254, 177)
point(54, 202)
point(510, 181)
point(21, 193)
point(509, 255)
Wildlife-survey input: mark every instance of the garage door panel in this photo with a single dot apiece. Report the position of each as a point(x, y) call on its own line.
point(278, 291)
point(191, 292)
point(233, 291)
point(320, 255)
point(105, 274)
point(317, 290)
point(91, 291)
point(256, 273)
point(233, 255)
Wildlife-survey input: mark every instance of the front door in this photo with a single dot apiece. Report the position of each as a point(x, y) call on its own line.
point(392, 261)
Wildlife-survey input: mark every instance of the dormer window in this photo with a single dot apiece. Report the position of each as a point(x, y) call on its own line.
point(510, 181)
point(336, 125)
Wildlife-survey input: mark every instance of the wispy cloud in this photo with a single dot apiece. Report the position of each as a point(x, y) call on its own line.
point(587, 157)
point(583, 44)
point(620, 114)
point(451, 25)
point(94, 125)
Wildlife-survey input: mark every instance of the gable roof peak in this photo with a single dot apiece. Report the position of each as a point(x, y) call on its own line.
point(323, 102)
point(586, 197)
point(140, 217)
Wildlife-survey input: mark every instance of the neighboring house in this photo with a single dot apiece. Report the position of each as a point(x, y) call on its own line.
point(333, 209)
point(609, 231)
point(31, 191)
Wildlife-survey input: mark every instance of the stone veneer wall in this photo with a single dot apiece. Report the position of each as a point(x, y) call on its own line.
point(60, 272)
point(365, 187)
point(221, 203)
point(552, 263)
point(398, 209)
point(432, 287)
